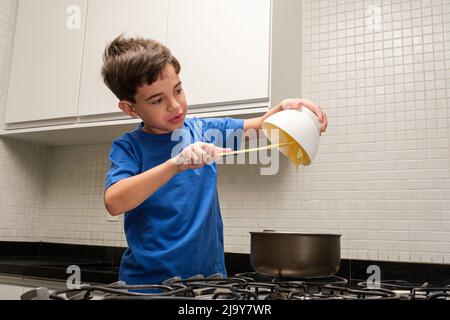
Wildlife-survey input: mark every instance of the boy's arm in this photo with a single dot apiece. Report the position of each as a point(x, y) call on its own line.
point(129, 193)
point(255, 123)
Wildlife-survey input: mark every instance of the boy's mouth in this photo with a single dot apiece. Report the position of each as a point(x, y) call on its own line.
point(177, 118)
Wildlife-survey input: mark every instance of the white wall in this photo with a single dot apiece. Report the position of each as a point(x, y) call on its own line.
point(23, 166)
point(73, 209)
point(381, 177)
point(385, 160)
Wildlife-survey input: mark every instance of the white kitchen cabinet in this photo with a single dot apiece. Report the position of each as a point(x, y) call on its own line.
point(237, 57)
point(224, 49)
point(46, 62)
point(13, 286)
point(10, 292)
point(106, 19)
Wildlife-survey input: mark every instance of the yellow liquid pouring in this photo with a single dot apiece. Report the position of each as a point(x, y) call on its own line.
point(287, 145)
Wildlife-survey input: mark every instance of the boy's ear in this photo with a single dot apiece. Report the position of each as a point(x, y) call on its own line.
point(128, 108)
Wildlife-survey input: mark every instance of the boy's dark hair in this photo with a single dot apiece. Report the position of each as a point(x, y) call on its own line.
point(129, 63)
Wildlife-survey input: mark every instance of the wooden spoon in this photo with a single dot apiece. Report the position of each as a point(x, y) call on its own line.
point(271, 146)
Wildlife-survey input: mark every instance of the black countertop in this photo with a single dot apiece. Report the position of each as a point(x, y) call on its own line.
point(100, 264)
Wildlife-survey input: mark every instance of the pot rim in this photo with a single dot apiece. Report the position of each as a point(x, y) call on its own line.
point(272, 232)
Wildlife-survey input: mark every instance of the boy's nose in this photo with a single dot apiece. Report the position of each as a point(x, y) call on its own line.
point(174, 105)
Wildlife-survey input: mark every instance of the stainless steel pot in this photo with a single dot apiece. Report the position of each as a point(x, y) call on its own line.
point(285, 254)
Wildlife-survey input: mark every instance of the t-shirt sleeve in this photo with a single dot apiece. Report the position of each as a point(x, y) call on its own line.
point(123, 162)
point(224, 132)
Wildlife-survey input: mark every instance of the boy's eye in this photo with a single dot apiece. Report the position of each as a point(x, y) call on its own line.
point(157, 101)
point(179, 91)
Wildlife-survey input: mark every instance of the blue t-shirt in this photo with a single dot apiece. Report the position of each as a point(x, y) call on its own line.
point(178, 230)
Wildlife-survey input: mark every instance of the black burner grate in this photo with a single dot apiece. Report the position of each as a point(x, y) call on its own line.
point(248, 286)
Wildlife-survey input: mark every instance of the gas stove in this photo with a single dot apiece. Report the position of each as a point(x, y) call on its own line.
point(248, 286)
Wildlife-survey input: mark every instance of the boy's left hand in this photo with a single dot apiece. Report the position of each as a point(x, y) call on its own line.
point(299, 103)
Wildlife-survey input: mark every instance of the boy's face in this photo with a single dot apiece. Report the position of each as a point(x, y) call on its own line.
point(162, 105)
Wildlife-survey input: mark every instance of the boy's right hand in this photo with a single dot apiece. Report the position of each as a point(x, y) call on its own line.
point(197, 155)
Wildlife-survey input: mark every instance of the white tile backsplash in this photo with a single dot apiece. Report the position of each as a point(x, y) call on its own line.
point(386, 91)
point(381, 177)
point(73, 209)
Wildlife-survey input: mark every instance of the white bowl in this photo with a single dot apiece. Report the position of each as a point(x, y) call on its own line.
point(299, 127)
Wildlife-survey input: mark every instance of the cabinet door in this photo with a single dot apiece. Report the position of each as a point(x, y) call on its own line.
point(10, 292)
point(106, 19)
point(46, 61)
point(223, 48)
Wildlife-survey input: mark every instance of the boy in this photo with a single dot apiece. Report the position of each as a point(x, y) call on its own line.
point(173, 223)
